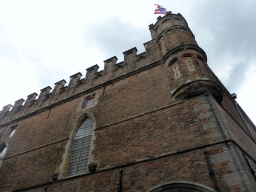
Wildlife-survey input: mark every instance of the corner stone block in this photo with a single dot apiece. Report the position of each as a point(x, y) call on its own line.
point(202, 107)
point(130, 59)
point(109, 67)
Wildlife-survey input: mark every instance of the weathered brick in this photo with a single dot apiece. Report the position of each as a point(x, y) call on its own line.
point(155, 126)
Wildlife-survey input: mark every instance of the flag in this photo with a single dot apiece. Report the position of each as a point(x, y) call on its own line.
point(160, 10)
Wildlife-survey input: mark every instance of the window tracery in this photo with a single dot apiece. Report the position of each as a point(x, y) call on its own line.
point(81, 148)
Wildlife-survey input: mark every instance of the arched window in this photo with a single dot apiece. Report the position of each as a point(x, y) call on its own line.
point(3, 150)
point(182, 187)
point(80, 148)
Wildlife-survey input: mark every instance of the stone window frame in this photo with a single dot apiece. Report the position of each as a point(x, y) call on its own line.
point(62, 172)
point(190, 65)
point(177, 73)
point(86, 100)
point(13, 131)
point(80, 149)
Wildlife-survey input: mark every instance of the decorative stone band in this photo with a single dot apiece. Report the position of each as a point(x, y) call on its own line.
point(184, 47)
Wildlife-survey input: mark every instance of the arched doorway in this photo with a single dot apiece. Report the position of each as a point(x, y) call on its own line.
point(181, 187)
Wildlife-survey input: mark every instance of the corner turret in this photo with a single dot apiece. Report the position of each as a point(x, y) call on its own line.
point(189, 73)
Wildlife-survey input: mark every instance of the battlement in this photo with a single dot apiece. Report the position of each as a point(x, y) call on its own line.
point(163, 41)
point(77, 84)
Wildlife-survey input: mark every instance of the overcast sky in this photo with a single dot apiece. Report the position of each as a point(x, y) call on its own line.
point(42, 42)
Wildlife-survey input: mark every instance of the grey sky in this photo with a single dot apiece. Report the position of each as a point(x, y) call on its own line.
point(231, 25)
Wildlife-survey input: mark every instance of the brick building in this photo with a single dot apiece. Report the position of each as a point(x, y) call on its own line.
point(158, 121)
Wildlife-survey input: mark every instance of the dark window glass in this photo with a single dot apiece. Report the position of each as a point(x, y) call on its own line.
point(3, 152)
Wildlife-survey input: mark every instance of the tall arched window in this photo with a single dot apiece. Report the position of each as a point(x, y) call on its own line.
point(80, 149)
point(3, 150)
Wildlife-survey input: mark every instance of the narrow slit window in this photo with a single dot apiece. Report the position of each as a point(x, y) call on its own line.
point(89, 102)
point(12, 132)
point(190, 66)
point(80, 149)
point(3, 150)
point(176, 71)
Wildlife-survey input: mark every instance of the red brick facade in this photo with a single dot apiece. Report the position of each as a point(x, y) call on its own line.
point(162, 122)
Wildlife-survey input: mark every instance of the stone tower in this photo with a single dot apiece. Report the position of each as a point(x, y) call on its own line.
point(157, 121)
point(190, 75)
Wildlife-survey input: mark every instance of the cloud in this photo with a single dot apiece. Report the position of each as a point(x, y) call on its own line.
point(231, 25)
point(237, 76)
point(8, 50)
point(115, 36)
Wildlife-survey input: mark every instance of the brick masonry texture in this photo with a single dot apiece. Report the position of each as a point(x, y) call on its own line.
point(155, 126)
point(143, 176)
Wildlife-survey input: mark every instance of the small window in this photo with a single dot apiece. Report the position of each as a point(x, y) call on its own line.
point(3, 150)
point(13, 131)
point(89, 102)
point(176, 71)
point(190, 66)
point(3, 153)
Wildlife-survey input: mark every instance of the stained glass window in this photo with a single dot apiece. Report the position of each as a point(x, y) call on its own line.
point(81, 148)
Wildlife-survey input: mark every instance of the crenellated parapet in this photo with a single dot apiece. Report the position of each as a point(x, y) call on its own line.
point(5, 111)
point(77, 84)
point(173, 44)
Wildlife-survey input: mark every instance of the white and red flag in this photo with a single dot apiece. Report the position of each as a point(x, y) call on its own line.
point(160, 10)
